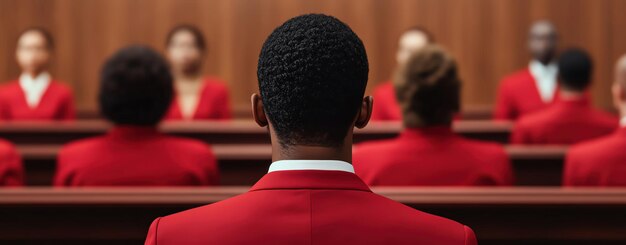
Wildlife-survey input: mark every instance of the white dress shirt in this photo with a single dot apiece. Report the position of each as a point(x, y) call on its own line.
point(328, 165)
point(34, 88)
point(545, 78)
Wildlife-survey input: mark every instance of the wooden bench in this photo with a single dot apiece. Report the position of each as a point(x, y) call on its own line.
point(245, 164)
point(215, 132)
point(497, 215)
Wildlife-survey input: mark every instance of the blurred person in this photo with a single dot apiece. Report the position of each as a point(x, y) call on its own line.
point(534, 87)
point(386, 107)
point(571, 118)
point(196, 97)
point(135, 92)
point(312, 75)
point(602, 162)
point(428, 152)
point(35, 95)
point(11, 169)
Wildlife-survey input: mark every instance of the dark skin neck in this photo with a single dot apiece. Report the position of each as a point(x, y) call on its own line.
point(306, 152)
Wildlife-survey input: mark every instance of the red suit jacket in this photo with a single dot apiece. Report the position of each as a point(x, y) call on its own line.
point(431, 157)
point(56, 103)
point(600, 162)
point(11, 171)
point(564, 122)
point(214, 103)
point(135, 156)
point(518, 95)
point(386, 107)
point(307, 207)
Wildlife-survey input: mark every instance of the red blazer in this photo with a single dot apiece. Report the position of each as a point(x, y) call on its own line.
point(11, 171)
point(56, 103)
point(600, 162)
point(307, 207)
point(214, 103)
point(386, 107)
point(518, 95)
point(135, 156)
point(564, 122)
point(432, 157)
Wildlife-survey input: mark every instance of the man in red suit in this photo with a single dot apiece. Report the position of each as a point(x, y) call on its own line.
point(534, 87)
point(312, 75)
point(386, 107)
point(602, 162)
point(135, 92)
point(427, 152)
point(571, 118)
point(35, 95)
point(11, 171)
point(197, 97)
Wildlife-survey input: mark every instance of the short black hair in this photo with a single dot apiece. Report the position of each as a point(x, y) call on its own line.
point(43, 32)
point(135, 87)
point(575, 69)
point(195, 32)
point(312, 74)
point(428, 88)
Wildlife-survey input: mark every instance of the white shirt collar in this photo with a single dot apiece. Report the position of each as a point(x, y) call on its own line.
point(34, 87)
point(328, 165)
point(622, 122)
point(545, 78)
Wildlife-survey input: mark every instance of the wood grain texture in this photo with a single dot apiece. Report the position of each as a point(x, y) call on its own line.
point(487, 36)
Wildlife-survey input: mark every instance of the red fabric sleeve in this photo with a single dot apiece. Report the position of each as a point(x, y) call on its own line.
point(151, 238)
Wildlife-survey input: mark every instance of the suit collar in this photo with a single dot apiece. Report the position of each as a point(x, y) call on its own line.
point(582, 101)
point(328, 165)
point(310, 179)
point(133, 132)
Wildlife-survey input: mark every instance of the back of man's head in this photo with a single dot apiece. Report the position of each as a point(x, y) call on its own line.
point(428, 88)
point(312, 74)
point(135, 87)
point(575, 70)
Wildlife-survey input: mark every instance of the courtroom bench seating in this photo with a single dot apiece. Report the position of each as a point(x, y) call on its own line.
point(245, 164)
point(497, 215)
point(223, 132)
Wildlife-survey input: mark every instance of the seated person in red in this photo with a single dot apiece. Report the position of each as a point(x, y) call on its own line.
point(571, 118)
point(534, 87)
point(35, 95)
point(386, 107)
point(11, 171)
point(197, 97)
point(427, 152)
point(312, 74)
point(135, 91)
point(602, 162)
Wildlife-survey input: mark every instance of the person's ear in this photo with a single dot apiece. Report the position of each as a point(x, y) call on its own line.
point(258, 113)
point(365, 112)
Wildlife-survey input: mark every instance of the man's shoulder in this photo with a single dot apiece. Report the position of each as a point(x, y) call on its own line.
point(596, 147)
point(238, 213)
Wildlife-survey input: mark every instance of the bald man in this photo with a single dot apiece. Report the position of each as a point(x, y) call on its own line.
point(386, 106)
point(602, 162)
point(534, 87)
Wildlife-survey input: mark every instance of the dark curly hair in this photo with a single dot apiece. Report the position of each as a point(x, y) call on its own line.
point(312, 74)
point(575, 69)
point(428, 88)
point(135, 87)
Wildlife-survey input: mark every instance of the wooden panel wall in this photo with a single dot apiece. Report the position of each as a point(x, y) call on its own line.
point(487, 36)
